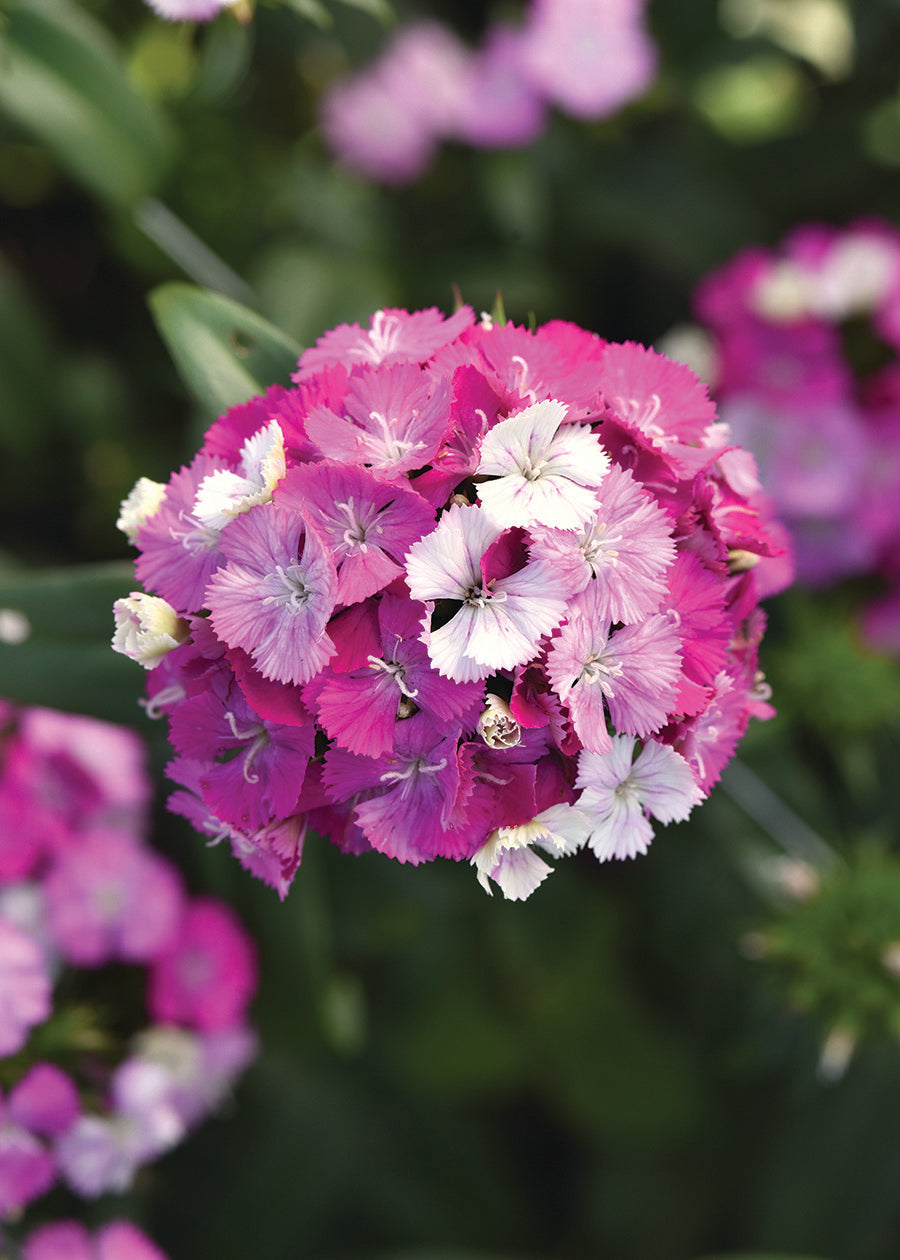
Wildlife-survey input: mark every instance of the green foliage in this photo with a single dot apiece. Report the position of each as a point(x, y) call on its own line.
point(65, 662)
point(224, 352)
point(63, 80)
point(839, 951)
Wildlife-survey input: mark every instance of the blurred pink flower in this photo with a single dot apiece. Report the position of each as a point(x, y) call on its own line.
point(25, 995)
point(207, 976)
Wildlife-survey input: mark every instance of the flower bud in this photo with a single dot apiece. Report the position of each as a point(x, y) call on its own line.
point(139, 506)
point(147, 627)
point(497, 726)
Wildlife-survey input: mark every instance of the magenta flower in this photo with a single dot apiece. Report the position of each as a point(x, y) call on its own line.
point(826, 435)
point(489, 552)
point(45, 1101)
point(27, 1168)
point(208, 975)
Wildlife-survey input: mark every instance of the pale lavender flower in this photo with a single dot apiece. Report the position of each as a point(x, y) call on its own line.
point(621, 792)
point(499, 107)
point(274, 596)
point(626, 545)
point(98, 1154)
point(633, 672)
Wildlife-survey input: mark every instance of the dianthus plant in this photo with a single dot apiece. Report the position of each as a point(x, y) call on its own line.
point(463, 590)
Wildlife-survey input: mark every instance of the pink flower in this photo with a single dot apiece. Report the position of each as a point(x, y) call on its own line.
point(588, 58)
point(45, 1101)
point(24, 988)
point(70, 1240)
point(208, 975)
point(27, 1167)
point(386, 122)
point(109, 897)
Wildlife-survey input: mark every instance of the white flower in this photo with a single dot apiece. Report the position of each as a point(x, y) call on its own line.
point(502, 618)
point(546, 471)
point(225, 494)
point(139, 506)
point(147, 627)
point(508, 858)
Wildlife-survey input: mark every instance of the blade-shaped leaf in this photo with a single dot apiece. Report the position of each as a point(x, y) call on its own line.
point(224, 352)
point(62, 78)
point(65, 660)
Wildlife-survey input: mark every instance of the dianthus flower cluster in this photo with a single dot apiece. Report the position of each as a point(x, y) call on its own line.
point(462, 590)
point(90, 916)
point(806, 373)
point(586, 58)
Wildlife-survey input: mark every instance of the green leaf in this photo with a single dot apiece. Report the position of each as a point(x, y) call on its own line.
point(224, 352)
point(62, 79)
point(313, 10)
point(66, 661)
point(380, 10)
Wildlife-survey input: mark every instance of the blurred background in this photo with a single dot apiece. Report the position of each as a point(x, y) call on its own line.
point(692, 1055)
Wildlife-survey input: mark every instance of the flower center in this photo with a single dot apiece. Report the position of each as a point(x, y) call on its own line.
point(597, 670)
point(292, 593)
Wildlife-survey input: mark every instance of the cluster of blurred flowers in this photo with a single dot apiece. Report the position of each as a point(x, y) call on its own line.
point(585, 58)
point(427, 86)
point(463, 590)
point(803, 362)
point(70, 1240)
point(122, 999)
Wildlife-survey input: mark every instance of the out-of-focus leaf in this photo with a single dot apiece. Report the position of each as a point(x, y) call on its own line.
point(381, 10)
point(224, 352)
point(65, 661)
point(27, 359)
point(62, 78)
point(313, 10)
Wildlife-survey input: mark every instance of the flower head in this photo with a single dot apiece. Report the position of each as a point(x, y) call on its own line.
point(423, 585)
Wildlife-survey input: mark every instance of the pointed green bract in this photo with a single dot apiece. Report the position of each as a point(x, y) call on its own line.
point(224, 352)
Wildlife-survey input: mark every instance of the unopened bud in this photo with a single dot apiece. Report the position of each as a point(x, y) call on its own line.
point(497, 726)
point(139, 506)
point(147, 627)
